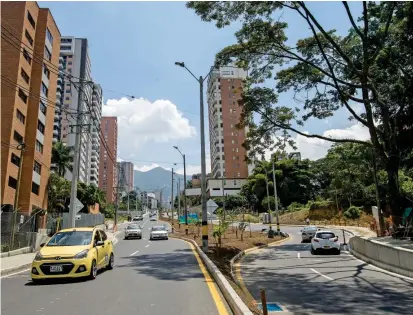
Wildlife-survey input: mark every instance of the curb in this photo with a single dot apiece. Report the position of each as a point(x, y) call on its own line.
point(9, 271)
point(234, 301)
point(24, 250)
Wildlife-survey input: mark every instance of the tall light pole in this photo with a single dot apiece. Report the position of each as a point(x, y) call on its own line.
point(275, 194)
point(186, 210)
point(201, 81)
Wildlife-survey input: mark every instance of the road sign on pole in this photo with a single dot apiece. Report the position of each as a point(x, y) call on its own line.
point(211, 206)
point(78, 205)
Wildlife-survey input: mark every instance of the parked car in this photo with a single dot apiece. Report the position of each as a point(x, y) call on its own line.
point(158, 232)
point(138, 218)
point(133, 230)
point(73, 253)
point(325, 241)
point(308, 232)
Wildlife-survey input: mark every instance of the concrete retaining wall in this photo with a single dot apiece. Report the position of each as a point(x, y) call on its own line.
point(394, 259)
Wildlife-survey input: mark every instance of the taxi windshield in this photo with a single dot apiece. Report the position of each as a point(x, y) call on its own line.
point(73, 238)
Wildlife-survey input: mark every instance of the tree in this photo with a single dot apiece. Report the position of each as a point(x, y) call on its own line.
point(58, 192)
point(62, 157)
point(370, 68)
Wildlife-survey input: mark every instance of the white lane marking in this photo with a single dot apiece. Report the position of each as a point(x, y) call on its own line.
point(134, 253)
point(147, 246)
point(298, 256)
point(318, 272)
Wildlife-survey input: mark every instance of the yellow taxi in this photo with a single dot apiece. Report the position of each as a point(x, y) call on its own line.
point(73, 253)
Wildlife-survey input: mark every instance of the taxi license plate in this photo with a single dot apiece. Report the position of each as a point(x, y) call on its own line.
point(57, 268)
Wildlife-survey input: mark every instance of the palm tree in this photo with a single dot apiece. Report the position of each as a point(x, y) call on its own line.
point(62, 158)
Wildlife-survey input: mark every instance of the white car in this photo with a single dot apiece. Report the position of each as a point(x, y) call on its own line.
point(158, 232)
point(308, 233)
point(325, 241)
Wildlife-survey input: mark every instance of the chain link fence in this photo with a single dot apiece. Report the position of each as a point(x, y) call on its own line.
point(25, 230)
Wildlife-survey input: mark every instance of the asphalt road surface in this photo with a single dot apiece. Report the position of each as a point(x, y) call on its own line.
point(150, 277)
point(323, 284)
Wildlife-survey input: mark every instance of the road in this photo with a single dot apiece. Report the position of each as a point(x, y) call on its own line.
point(150, 277)
point(323, 284)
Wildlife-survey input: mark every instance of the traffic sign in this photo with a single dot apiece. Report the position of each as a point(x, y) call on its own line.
point(212, 205)
point(79, 206)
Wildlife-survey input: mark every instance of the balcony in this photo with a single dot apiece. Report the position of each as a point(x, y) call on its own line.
point(55, 132)
point(93, 165)
point(58, 94)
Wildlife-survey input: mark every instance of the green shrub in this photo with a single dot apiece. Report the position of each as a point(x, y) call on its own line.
point(5, 248)
point(295, 206)
point(352, 213)
point(319, 204)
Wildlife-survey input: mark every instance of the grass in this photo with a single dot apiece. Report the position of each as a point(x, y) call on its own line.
point(231, 246)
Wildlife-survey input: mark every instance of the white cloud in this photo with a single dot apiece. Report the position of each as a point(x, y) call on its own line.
point(145, 168)
point(314, 148)
point(141, 121)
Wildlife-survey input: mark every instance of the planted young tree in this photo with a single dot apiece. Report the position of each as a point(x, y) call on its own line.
point(366, 73)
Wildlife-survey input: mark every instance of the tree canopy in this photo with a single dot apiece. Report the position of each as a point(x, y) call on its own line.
point(367, 73)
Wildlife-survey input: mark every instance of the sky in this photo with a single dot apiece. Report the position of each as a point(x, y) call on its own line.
point(133, 47)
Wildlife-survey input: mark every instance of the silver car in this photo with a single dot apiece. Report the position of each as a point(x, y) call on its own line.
point(158, 232)
point(133, 230)
point(308, 233)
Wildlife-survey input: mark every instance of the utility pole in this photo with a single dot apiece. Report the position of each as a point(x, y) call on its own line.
point(172, 198)
point(136, 199)
point(186, 209)
point(275, 195)
point(117, 201)
point(178, 190)
point(203, 169)
point(223, 196)
point(128, 202)
point(21, 147)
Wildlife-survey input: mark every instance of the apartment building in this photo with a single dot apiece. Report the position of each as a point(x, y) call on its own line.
point(30, 47)
point(127, 168)
point(75, 96)
point(227, 152)
point(108, 155)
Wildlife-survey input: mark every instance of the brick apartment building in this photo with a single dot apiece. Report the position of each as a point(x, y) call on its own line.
point(30, 48)
point(107, 161)
point(227, 152)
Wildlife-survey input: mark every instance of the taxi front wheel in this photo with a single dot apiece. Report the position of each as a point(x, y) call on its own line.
point(111, 263)
point(93, 270)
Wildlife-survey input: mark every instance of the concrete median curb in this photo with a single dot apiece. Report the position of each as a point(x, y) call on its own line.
point(234, 301)
point(24, 250)
point(12, 270)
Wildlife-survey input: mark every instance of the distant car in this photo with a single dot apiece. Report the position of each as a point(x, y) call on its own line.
point(325, 241)
point(137, 218)
point(133, 230)
point(158, 232)
point(308, 232)
point(154, 218)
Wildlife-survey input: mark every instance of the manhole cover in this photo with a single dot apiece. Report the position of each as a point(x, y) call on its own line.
point(271, 307)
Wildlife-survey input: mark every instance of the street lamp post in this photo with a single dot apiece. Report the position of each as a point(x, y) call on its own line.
point(201, 81)
point(275, 195)
point(186, 210)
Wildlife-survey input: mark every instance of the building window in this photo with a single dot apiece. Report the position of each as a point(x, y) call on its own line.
point(65, 47)
point(23, 96)
point(45, 90)
point(40, 126)
point(35, 188)
point(67, 98)
point(66, 40)
point(15, 159)
point(39, 146)
point(27, 56)
point(20, 116)
point(47, 54)
point(37, 167)
point(29, 38)
point(46, 72)
point(18, 137)
point(25, 76)
point(69, 63)
point(31, 20)
point(49, 36)
point(12, 182)
point(43, 108)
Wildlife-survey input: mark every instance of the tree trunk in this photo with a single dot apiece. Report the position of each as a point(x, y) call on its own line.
point(393, 187)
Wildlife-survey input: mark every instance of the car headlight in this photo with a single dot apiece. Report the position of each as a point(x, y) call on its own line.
point(82, 254)
point(38, 257)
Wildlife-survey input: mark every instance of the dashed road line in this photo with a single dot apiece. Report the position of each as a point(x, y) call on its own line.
point(147, 246)
point(134, 253)
point(298, 255)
